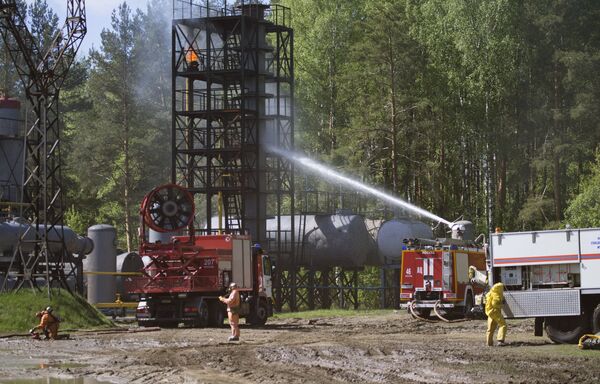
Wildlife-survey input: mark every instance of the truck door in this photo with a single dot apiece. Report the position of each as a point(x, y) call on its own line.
point(410, 274)
point(590, 258)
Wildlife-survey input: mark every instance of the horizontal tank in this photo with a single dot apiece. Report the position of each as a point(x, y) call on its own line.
point(329, 240)
point(392, 233)
point(11, 231)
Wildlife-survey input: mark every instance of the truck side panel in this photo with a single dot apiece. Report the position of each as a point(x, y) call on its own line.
point(242, 263)
point(541, 303)
point(590, 258)
point(526, 248)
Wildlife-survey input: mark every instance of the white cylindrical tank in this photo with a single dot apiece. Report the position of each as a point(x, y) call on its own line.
point(102, 288)
point(163, 237)
point(463, 230)
point(392, 233)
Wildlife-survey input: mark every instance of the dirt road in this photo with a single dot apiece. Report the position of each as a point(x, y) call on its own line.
point(391, 348)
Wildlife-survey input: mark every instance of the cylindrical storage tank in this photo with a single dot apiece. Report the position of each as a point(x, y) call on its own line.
point(129, 262)
point(463, 230)
point(392, 233)
point(12, 231)
point(11, 150)
point(102, 288)
point(163, 237)
point(328, 240)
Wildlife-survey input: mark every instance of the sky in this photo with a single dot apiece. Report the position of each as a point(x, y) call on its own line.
point(98, 14)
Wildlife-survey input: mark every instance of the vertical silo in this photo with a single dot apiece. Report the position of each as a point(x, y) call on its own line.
point(11, 150)
point(101, 288)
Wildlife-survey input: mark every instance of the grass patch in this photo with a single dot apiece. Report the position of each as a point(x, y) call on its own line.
point(320, 313)
point(17, 311)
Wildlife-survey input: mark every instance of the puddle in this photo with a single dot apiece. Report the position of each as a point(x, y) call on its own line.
point(35, 364)
point(54, 380)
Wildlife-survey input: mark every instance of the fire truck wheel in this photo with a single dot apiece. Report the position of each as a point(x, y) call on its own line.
point(596, 320)
point(216, 315)
point(565, 329)
point(203, 312)
point(468, 305)
point(259, 317)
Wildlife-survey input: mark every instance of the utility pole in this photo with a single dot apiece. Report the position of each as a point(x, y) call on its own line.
point(42, 255)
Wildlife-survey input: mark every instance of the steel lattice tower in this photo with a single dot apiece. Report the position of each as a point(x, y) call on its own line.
point(233, 95)
point(43, 74)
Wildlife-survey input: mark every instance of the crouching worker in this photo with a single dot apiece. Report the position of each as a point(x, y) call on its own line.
point(493, 309)
point(49, 323)
point(233, 311)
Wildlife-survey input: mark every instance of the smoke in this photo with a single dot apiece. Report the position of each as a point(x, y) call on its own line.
point(330, 175)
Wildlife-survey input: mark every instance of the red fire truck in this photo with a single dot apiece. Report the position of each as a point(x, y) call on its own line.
point(182, 279)
point(435, 275)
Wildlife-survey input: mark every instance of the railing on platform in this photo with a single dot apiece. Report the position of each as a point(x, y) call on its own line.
point(172, 284)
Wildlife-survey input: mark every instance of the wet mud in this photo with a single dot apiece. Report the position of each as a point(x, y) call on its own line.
point(391, 348)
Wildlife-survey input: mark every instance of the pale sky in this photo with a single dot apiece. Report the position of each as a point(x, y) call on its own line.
point(98, 14)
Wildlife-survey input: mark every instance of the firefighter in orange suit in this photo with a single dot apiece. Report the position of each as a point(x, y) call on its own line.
point(493, 309)
point(233, 311)
point(49, 323)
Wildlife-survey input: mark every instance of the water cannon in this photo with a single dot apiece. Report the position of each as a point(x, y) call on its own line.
point(168, 208)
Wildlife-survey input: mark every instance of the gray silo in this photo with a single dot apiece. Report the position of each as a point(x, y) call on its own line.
point(11, 150)
point(102, 288)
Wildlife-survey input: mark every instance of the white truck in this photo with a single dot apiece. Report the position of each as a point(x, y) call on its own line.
point(552, 276)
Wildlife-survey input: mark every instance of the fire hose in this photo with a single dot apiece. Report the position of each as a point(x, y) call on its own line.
point(435, 307)
point(411, 307)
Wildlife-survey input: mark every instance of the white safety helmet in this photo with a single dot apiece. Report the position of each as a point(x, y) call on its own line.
point(49, 309)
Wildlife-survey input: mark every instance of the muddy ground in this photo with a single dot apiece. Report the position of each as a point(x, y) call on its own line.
point(390, 348)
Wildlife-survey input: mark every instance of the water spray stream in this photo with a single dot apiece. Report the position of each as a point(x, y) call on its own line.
point(331, 175)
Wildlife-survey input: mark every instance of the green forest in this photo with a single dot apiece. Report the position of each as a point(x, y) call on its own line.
point(487, 109)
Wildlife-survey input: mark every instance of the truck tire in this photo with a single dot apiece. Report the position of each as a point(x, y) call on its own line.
point(468, 305)
point(216, 314)
point(259, 315)
point(146, 324)
point(566, 329)
point(168, 324)
point(203, 312)
point(596, 320)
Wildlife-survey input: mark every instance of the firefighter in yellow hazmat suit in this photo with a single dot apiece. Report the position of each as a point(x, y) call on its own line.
point(493, 309)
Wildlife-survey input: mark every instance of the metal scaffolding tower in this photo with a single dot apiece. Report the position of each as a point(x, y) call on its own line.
point(233, 94)
point(42, 74)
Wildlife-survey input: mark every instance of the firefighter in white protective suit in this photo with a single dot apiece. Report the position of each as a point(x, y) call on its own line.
point(493, 309)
